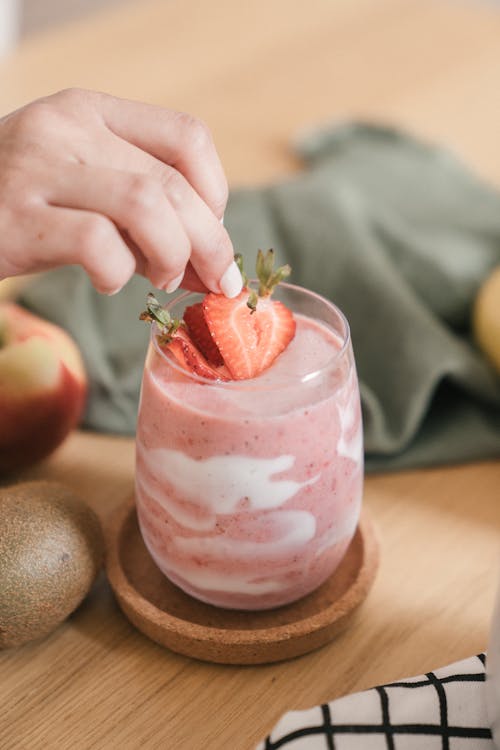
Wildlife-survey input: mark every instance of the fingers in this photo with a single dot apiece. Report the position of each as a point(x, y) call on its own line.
point(175, 138)
point(164, 218)
point(142, 182)
point(137, 204)
point(65, 235)
point(211, 249)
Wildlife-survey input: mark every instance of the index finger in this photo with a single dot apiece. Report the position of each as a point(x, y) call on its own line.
point(175, 138)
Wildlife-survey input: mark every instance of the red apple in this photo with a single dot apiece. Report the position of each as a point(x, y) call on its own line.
point(42, 387)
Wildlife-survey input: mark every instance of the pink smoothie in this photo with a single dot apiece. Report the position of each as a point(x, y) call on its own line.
point(248, 493)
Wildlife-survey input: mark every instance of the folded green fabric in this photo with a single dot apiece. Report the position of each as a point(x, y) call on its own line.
point(400, 236)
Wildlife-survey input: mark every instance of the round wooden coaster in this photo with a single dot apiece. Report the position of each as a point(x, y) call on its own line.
point(170, 617)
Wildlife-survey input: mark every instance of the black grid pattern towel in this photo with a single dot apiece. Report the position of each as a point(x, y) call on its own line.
point(442, 710)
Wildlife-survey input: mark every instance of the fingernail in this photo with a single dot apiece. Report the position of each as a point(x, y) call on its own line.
point(115, 291)
point(231, 282)
point(174, 284)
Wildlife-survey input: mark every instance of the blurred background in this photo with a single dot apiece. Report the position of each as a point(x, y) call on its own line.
point(262, 73)
point(35, 15)
point(20, 19)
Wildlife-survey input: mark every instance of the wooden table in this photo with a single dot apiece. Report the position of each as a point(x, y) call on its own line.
point(258, 75)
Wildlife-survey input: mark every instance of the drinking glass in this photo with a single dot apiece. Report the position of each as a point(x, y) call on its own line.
point(248, 492)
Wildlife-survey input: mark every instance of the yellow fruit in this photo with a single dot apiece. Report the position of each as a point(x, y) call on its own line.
point(486, 318)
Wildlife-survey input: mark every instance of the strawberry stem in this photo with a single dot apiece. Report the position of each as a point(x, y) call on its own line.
point(267, 276)
point(238, 259)
point(156, 313)
point(252, 300)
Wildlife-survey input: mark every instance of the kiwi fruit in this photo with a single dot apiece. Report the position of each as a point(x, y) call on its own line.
point(51, 549)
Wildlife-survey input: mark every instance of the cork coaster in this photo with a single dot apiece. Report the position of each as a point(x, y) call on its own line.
point(167, 615)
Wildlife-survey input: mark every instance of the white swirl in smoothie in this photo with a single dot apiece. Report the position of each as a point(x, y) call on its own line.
point(230, 581)
point(220, 483)
point(297, 527)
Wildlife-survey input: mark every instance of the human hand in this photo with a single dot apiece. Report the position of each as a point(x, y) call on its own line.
point(116, 186)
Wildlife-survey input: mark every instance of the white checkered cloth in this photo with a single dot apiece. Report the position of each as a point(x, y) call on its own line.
point(442, 710)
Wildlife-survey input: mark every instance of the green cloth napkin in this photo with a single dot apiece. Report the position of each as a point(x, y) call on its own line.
point(400, 236)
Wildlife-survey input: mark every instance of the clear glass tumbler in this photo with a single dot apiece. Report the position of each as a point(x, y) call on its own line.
point(249, 492)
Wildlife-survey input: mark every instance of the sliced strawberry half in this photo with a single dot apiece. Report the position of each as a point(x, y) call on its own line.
point(224, 338)
point(190, 358)
point(248, 341)
point(200, 333)
point(174, 338)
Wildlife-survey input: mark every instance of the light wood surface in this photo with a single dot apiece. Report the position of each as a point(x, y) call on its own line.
point(259, 73)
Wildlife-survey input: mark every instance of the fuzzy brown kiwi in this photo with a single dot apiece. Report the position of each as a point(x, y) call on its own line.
point(51, 549)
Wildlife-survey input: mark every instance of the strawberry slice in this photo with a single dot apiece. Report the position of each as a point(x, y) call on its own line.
point(224, 338)
point(249, 341)
point(234, 333)
point(275, 329)
point(174, 338)
point(190, 358)
point(200, 334)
